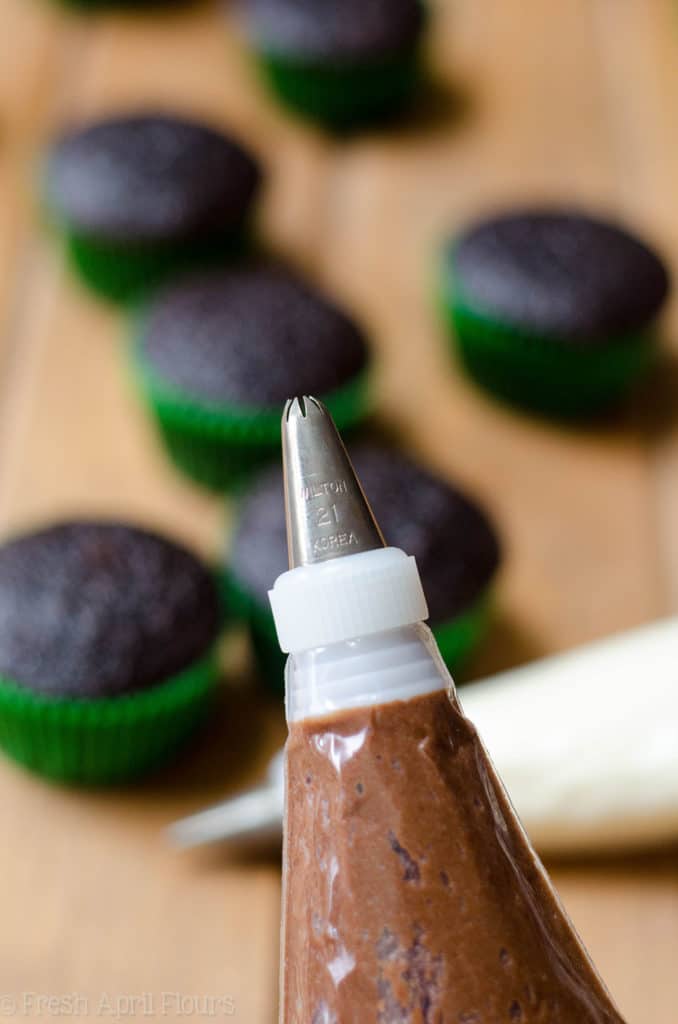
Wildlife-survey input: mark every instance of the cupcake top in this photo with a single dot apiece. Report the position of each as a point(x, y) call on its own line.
point(325, 29)
point(250, 337)
point(97, 609)
point(150, 178)
point(455, 545)
point(558, 273)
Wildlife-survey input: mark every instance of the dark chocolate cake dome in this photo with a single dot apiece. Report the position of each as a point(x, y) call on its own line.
point(150, 178)
point(249, 337)
point(325, 29)
point(97, 609)
point(558, 273)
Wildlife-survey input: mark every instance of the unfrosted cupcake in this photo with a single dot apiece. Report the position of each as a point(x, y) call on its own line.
point(107, 649)
point(553, 309)
point(217, 355)
point(141, 196)
point(343, 64)
point(453, 541)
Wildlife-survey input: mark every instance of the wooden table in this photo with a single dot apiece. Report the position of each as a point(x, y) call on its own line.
point(572, 99)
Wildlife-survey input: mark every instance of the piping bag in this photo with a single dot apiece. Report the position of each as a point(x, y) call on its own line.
point(411, 894)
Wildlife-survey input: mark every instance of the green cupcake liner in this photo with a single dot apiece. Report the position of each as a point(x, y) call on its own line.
point(344, 96)
point(125, 272)
point(457, 638)
point(219, 447)
point(545, 375)
point(110, 740)
point(460, 636)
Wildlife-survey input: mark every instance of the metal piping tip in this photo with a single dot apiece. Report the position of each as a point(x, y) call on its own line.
point(327, 513)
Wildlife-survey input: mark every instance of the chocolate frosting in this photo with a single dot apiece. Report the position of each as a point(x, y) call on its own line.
point(150, 178)
point(95, 609)
point(412, 895)
point(454, 543)
point(326, 30)
point(250, 337)
point(558, 273)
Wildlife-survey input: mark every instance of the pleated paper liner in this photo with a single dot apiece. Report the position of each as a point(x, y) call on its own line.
point(219, 446)
point(124, 272)
point(344, 96)
point(349, 94)
point(457, 637)
point(107, 740)
point(565, 379)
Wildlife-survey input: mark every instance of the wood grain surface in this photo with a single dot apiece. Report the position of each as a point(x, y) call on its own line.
point(545, 99)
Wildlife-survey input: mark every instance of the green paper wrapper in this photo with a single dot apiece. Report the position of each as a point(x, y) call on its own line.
point(107, 740)
point(457, 638)
point(344, 96)
point(545, 375)
point(125, 272)
point(460, 636)
point(219, 447)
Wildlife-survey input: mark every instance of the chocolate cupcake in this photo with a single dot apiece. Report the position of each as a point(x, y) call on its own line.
point(343, 64)
point(143, 195)
point(218, 354)
point(455, 545)
point(553, 310)
point(107, 638)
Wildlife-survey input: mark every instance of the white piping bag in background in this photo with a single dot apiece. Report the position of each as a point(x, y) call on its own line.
point(586, 743)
